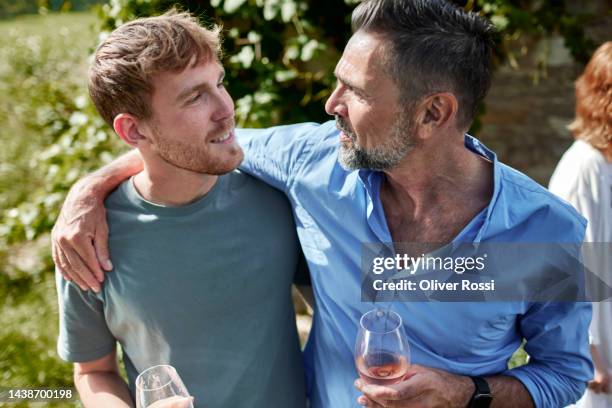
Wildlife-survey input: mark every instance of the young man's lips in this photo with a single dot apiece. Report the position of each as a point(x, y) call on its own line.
point(226, 139)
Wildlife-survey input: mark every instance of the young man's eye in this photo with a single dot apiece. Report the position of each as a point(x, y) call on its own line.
point(194, 98)
point(221, 84)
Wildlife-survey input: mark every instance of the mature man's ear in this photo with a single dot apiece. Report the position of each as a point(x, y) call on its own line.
point(127, 127)
point(438, 111)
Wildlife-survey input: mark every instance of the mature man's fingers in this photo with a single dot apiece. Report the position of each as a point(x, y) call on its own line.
point(366, 402)
point(64, 275)
point(101, 247)
point(54, 253)
point(81, 270)
point(380, 392)
point(75, 278)
point(87, 253)
point(61, 262)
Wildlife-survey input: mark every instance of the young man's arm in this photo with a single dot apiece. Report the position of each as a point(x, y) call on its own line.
point(100, 385)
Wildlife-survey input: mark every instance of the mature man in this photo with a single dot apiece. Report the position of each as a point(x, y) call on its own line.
point(396, 166)
point(204, 255)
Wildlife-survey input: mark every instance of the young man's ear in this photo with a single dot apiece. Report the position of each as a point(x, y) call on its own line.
point(126, 126)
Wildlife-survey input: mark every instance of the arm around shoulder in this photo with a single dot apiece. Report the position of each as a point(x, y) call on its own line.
point(80, 235)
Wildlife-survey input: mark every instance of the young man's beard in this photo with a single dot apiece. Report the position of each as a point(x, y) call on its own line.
point(196, 158)
point(382, 157)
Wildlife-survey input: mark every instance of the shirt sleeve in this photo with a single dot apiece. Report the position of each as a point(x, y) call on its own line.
point(275, 155)
point(557, 343)
point(83, 332)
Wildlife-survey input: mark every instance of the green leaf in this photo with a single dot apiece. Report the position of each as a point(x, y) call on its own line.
point(282, 76)
point(230, 6)
point(308, 50)
point(244, 57)
point(288, 10)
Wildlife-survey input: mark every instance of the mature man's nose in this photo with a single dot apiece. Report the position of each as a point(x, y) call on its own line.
point(334, 105)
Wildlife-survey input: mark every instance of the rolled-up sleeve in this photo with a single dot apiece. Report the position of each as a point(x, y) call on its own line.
point(558, 345)
point(276, 154)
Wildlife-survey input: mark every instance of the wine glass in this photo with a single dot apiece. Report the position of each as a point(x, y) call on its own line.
point(161, 387)
point(382, 354)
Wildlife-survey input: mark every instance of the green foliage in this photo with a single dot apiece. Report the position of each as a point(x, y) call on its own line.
point(11, 8)
point(48, 139)
point(537, 19)
point(52, 134)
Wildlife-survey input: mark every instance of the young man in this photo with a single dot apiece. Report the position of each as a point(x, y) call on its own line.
point(204, 254)
point(397, 167)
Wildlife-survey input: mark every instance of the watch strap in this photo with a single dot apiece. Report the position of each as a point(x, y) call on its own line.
point(482, 394)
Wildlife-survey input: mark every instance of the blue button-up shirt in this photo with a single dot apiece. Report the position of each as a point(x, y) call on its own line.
point(336, 211)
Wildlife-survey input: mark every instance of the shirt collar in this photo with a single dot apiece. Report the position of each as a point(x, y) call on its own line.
point(371, 181)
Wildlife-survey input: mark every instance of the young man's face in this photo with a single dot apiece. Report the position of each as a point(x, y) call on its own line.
point(376, 130)
point(192, 126)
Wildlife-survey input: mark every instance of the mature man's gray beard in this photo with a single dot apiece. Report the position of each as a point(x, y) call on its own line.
point(380, 158)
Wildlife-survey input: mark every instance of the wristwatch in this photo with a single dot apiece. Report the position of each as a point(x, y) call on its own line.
point(482, 395)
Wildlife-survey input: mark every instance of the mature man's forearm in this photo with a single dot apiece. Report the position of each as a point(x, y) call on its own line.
point(103, 390)
point(508, 392)
point(107, 178)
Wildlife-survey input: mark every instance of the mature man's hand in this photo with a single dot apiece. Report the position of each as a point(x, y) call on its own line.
point(423, 388)
point(80, 238)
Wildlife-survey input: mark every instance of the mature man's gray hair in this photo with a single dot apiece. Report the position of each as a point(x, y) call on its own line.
point(433, 46)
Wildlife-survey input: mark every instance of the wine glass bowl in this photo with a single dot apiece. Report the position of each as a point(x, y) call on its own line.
point(161, 386)
point(382, 353)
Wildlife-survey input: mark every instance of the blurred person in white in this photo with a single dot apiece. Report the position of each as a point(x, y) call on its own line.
point(584, 178)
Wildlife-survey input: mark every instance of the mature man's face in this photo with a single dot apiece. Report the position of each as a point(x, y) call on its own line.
point(376, 132)
point(193, 120)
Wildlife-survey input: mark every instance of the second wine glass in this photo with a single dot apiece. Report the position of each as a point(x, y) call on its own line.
point(161, 387)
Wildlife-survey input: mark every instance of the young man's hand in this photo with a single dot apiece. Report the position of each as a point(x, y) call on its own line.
point(173, 402)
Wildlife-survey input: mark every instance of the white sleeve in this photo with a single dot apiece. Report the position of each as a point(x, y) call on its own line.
point(580, 183)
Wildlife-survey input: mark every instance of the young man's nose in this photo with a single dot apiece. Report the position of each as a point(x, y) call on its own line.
point(225, 109)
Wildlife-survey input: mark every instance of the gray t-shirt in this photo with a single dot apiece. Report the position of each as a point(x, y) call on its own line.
point(205, 287)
